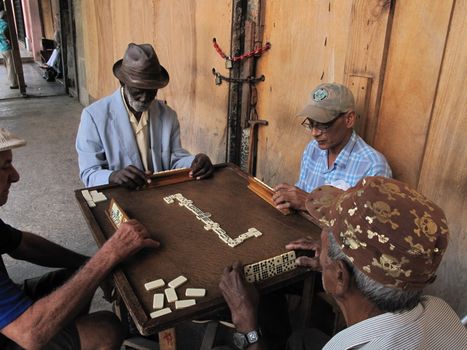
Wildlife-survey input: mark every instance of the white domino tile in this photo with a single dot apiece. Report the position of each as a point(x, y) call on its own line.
point(154, 284)
point(160, 313)
point(86, 195)
point(99, 198)
point(195, 292)
point(181, 304)
point(171, 295)
point(158, 301)
point(177, 282)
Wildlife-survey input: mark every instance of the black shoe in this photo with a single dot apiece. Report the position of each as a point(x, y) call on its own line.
point(14, 87)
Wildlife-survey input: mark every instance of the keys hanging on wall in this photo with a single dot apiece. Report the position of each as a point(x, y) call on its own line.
point(228, 63)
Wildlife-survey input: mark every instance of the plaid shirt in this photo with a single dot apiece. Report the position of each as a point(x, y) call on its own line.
point(355, 161)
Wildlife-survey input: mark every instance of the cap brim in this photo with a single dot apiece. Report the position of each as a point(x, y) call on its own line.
point(158, 83)
point(12, 144)
point(318, 114)
point(320, 203)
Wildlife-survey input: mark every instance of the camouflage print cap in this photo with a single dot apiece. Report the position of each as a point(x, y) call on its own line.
point(327, 101)
point(390, 232)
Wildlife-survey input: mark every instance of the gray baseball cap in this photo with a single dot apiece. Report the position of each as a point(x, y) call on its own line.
point(9, 140)
point(327, 101)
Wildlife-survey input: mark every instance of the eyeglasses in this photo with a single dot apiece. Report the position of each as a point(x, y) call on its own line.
point(323, 127)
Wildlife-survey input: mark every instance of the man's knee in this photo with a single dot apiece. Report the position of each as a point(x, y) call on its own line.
point(100, 330)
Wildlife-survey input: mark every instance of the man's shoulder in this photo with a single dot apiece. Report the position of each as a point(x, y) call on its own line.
point(103, 104)
point(163, 110)
point(162, 105)
point(365, 151)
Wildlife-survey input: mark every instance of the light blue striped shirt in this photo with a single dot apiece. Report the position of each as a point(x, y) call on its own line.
point(355, 161)
point(431, 325)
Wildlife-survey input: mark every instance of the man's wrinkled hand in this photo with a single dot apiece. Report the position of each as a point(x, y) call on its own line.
point(130, 237)
point(241, 297)
point(130, 177)
point(201, 167)
point(289, 197)
point(307, 243)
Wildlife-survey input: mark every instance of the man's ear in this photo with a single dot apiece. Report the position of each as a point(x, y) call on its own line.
point(350, 119)
point(343, 278)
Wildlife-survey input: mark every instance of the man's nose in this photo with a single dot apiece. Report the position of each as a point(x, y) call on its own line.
point(316, 131)
point(14, 175)
point(147, 96)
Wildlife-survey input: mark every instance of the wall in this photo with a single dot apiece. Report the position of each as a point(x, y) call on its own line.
point(47, 18)
point(182, 34)
point(33, 26)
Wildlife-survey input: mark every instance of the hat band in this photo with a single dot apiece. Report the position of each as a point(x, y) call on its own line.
point(130, 71)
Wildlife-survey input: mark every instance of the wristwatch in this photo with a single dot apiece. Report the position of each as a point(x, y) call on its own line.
point(244, 340)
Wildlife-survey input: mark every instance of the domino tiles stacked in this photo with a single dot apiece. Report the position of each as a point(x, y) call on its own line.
point(93, 197)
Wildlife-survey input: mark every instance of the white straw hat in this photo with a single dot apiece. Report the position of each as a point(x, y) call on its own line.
point(9, 140)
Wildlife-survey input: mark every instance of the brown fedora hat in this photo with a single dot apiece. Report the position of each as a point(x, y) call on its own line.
point(140, 68)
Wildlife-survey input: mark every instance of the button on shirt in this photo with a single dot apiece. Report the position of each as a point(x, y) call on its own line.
point(431, 325)
point(356, 160)
point(140, 130)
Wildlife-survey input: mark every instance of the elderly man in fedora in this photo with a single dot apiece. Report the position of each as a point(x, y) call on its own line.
point(381, 244)
point(336, 156)
point(50, 312)
point(125, 137)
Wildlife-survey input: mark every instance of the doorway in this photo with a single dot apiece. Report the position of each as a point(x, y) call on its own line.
point(45, 40)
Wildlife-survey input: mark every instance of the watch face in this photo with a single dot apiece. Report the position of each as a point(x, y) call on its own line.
point(240, 340)
point(252, 337)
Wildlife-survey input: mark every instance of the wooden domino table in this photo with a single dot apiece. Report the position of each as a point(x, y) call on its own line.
point(187, 248)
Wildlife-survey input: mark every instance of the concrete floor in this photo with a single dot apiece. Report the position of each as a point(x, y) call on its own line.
point(36, 85)
point(43, 200)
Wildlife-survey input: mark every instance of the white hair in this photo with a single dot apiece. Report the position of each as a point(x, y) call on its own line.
point(387, 299)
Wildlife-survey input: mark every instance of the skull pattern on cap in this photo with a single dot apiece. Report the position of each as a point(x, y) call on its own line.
point(389, 231)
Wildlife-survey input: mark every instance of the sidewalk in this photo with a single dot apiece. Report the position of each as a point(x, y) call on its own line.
point(36, 85)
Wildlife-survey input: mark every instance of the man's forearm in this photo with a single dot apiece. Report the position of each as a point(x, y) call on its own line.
point(40, 251)
point(39, 323)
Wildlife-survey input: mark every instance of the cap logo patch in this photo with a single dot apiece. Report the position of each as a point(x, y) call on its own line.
point(320, 95)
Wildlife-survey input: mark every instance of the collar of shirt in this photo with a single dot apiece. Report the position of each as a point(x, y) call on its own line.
point(343, 158)
point(143, 121)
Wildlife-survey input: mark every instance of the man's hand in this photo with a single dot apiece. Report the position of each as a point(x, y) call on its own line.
point(241, 297)
point(287, 196)
point(201, 167)
point(307, 243)
point(130, 177)
point(130, 237)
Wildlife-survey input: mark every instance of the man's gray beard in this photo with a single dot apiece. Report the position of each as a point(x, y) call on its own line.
point(137, 106)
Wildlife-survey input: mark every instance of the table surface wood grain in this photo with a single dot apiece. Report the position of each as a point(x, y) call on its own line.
point(187, 248)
